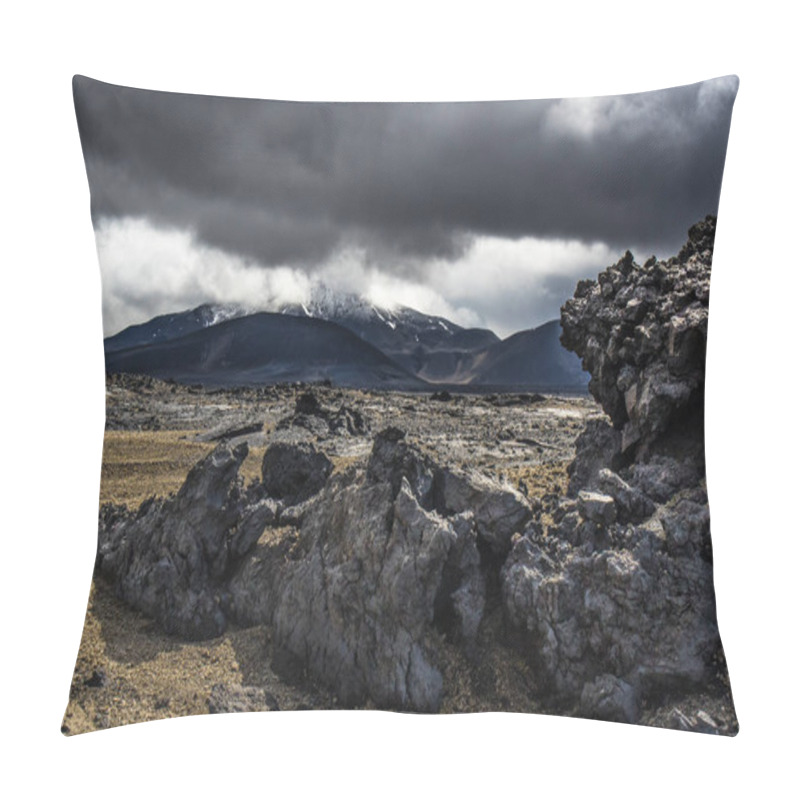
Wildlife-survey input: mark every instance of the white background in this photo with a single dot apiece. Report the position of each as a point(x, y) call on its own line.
point(53, 387)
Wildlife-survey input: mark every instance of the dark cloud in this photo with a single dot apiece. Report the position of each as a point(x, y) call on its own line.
point(293, 183)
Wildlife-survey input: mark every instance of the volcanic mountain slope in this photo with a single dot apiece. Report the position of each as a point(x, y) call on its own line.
point(531, 358)
point(439, 351)
point(406, 343)
point(431, 347)
point(172, 326)
point(262, 349)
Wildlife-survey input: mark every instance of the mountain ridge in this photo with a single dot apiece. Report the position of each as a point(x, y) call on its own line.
point(265, 348)
point(404, 348)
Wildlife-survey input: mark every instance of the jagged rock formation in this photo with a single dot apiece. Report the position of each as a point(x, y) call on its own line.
point(168, 559)
point(352, 572)
point(614, 600)
point(379, 561)
point(641, 332)
point(310, 414)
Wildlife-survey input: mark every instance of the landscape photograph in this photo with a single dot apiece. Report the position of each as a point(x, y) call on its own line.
point(404, 407)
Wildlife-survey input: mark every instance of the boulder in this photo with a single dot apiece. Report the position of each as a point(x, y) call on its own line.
point(499, 511)
point(596, 507)
point(641, 332)
point(597, 447)
point(613, 600)
point(378, 573)
point(610, 698)
point(640, 614)
point(632, 505)
point(294, 472)
point(169, 558)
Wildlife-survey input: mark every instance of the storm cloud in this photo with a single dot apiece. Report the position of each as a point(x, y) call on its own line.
point(413, 189)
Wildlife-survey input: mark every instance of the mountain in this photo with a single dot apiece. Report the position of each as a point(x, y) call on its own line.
point(345, 338)
point(265, 348)
point(532, 358)
point(172, 326)
point(433, 348)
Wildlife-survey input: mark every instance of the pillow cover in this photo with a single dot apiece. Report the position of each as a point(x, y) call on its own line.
point(378, 434)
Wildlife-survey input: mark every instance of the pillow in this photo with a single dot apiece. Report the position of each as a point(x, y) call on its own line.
point(378, 434)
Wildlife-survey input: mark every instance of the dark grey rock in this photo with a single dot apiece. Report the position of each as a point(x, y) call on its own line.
point(686, 526)
point(641, 332)
point(294, 472)
point(610, 698)
point(606, 612)
point(392, 459)
point(348, 421)
point(596, 448)
point(254, 519)
point(596, 507)
point(357, 592)
point(315, 418)
point(499, 511)
point(663, 476)
point(169, 558)
point(632, 504)
point(358, 607)
point(307, 403)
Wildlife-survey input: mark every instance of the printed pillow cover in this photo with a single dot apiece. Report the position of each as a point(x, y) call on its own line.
point(383, 427)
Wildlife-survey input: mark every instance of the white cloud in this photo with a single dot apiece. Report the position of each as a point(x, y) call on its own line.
point(517, 284)
point(506, 285)
point(148, 271)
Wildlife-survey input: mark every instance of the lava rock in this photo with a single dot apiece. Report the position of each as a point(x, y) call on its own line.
point(632, 504)
point(169, 558)
point(597, 447)
point(597, 507)
point(294, 472)
point(610, 698)
point(641, 332)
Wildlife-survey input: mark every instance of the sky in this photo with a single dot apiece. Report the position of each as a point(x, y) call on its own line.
point(487, 213)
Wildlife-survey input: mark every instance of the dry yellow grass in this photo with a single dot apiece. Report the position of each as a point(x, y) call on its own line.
point(145, 674)
point(140, 464)
point(129, 671)
point(541, 479)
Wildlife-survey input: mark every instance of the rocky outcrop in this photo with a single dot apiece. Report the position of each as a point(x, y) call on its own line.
point(622, 600)
point(613, 600)
point(310, 414)
point(358, 606)
point(294, 472)
point(641, 332)
point(358, 575)
point(381, 562)
point(169, 558)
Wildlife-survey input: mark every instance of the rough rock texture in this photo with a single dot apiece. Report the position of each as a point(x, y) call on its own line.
point(641, 332)
point(613, 600)
point(378, 563)
point(358, 584)
point(598, 446)
point(628, 608)
point(356, 608)
point(293, 473)
point(169, 558)
point(310, 414)
point(610, 698)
